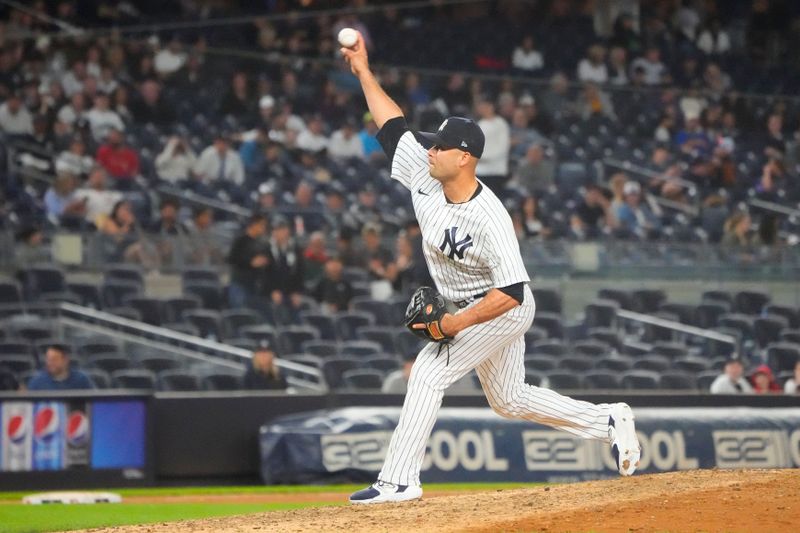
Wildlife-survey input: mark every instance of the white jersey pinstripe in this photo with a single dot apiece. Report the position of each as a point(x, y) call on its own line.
point(480, 254)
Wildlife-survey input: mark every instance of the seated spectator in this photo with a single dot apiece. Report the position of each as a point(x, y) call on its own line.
point(773, 178)
point(62, 205)
point(775, 141)
point(150, 107)
point(266, 197)
point(29, 249)
point(345, 142)
point(792, 385)
point(124, 240)
point(332, 291)
point(313, 138)
point(120, 161)
point(738, 231)
point(96, 196)
point(635, 215)
point(369, 141)
point(763, 381)
point(202, 246)
point(528, 221)
point(618, 66)
point(170, 59)
point(74, 160)
point(523, 134)
point(592, 215)
point(175, 162)
point(57, 374)
point(238, 101)
point(248, 259)
point(595, 103)
point(653, 70)
point(15, 119)
point(218, 165)
point(592, 68)
point(692, 139)
point(74, 112)
point(713, 39)
point(309, 213)
point(379, 259)
point(283, 276)
point(732, 381)
point(716, 81)
point(263, 373)
point(315, 256)
point(102, 118)
point(396, 382)
point(526, 59)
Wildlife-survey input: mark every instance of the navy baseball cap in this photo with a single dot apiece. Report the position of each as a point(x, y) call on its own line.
point(458, 132)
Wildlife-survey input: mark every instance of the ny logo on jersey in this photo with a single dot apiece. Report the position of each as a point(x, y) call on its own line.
point(456, 247)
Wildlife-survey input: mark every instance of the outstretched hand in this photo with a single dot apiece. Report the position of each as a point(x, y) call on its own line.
point(356, 56)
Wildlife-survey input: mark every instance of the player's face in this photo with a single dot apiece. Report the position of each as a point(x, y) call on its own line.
point(445, 163)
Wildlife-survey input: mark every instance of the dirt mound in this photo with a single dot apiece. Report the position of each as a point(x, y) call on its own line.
point(702, 500)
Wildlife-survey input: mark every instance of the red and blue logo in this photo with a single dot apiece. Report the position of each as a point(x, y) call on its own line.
point(45, 424)
point(77, 428)
point(17, 429)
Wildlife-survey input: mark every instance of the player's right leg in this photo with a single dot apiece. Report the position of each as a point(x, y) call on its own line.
point(502, 377)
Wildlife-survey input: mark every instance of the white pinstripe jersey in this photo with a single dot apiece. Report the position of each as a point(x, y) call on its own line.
point(469, 247)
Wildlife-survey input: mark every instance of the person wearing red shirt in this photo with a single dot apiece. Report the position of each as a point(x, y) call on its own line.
point(120, 161)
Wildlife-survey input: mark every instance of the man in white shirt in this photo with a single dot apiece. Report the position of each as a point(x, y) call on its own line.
point(312, 138)
point(74, 111)
point(15, 119)
point(170, 59)
point(492, 167)
point(654, 70)
point(103, 119)
point(732, 381)
point(345, 142)
point(592, 68)
point(99, 200)
point(218, 163)
point(526, 58)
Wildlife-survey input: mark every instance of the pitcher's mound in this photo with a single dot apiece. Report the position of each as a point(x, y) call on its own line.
point(699, 500)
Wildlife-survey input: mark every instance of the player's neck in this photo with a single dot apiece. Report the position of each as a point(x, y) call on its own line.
point(460, 189)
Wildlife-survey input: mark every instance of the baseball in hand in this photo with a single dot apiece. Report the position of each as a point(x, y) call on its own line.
point(348, 37)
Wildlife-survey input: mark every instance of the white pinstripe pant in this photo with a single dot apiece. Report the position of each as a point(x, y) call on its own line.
point(496, 350)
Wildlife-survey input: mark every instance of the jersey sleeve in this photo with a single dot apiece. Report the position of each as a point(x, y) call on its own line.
point(505, 259)
point(409, 158)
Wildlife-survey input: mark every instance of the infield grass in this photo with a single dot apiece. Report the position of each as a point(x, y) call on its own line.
point(19, 518)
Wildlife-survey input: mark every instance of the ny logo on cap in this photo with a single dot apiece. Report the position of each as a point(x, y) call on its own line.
point(457, 248)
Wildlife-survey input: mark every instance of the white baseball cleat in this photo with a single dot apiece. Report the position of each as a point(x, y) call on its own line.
point(624, 444)
point(384, 492)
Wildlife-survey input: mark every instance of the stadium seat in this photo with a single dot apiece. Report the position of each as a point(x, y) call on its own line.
point(533, 335)
point(89, 294)
point(717, 296)
point(221, 382)
point(533, 378)
point(691, 365)
point(647, 300)
point(149, 308)
point(190, 275)
point(618, 363)
point(739, 322)
point(381, 311)
point(156, 363)
point(782, 357)
point(10, 291)
point(684, 312)
point(575, 363)
point(607, 336)
point(114, 292)
point(706, 315)
point(621, 297)
point(347, 324)
point(334, 367)
point(209, 293)
point(382, 363)
point(601, 380)
point(767, 329)
point(550, 347)
point(320, 348)
point(541, 363)
point(108, 363)
point(175, 307)
point(560, 380)
point(16, 347)
point(790, 335)
point(678, 381)
point(291, 338)
point(601, 314)
point(360, 349)
point(43, 279)
point(124, 272)
point(383, 335)
point(261, 333)
point(233, 320)
point(100, 378)
point(177, 380)
point(640, 380)
point(705, 379)
point(591, 348)
point(551, 323)
point(672, 350)
point(18, 363)
point(134, 379)
point(656, 363)
point(362, 379)
point(791, 314)
point(324, 323)
point(547, 300)
point(207, 322)
point(407, 343)
point(750, 302)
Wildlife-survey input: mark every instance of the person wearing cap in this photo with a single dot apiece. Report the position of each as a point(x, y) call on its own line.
point(475, 261)
point(634, 215)
point(763, 380)
point(732, 381)
point(263, 372)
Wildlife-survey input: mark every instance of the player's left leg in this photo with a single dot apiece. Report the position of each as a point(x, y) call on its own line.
point(502, 377)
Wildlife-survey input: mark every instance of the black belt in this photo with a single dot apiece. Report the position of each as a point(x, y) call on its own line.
point(461, 304)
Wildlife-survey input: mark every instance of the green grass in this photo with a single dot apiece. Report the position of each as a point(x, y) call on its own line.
point(283, 489)
point(20, 518)
point(40, 518)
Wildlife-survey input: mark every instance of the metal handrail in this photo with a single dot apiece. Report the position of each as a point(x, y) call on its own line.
point(772, 206)
point(78, 315)
point(676, 326)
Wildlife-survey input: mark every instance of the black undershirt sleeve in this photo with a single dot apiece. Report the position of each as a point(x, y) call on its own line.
point(389, 135)
point(516, 291)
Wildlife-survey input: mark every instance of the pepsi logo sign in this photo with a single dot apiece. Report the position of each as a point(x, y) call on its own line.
point(45, 425)
point(17, 429)
point(77, 428)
